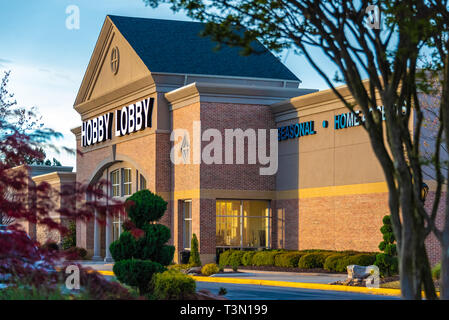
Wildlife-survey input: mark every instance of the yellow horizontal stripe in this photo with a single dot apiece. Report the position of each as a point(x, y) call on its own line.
point(334, 191)
point(314, 286)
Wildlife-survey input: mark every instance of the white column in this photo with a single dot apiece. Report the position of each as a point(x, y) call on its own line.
point(97, 254)
point(108, 227)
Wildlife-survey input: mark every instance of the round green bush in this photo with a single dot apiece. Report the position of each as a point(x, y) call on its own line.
point(224, 257)
point(145, 206)
point(313, 260)
point(388, 265)
point(436, 271)
point(264, 258)
point(247, 258)
point(363, 259)
point(209, 269)
point(137, 273)
point(235, 259)
point(173, 285)
point(330, 264)
point(288, 260)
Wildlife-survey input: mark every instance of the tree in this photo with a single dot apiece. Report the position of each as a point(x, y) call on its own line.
point(389, 58)
point(194, 259)
point(141, 250)
point(24, 260)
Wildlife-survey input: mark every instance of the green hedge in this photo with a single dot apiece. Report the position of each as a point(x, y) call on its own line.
point(336, 261)
point(235, 259)
point(224, 257)
point(339, 261)
point(288, 260)
point(313, 260)
point(436, 271)
point(247, 259)
point(264, 258)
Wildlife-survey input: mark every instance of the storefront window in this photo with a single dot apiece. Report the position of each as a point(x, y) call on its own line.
point(242, 223)
point(187, 215)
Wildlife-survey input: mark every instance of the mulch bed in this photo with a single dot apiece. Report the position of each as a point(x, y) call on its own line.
point(284, 269)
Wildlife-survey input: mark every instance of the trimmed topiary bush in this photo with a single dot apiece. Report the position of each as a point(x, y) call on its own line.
point(194, 259)
point(172, 285)
point(387, 262)
point(210, 269)
point(140, 250)
point(288, 260)
point(247, 258)
point(137, 273)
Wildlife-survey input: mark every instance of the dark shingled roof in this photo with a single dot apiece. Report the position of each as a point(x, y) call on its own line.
point(174, 47)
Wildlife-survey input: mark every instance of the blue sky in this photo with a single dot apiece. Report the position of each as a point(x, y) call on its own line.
point(48, 60)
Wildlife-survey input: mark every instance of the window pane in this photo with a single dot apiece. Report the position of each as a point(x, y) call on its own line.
point(187, 233)
point(255, 208)
point(255, 232)
point(187, 210)
point(228, 231)
point(228, 208)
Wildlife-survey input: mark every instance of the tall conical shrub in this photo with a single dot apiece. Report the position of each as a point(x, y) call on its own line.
point(194, 259)
point(141, 249)
point(387, 262)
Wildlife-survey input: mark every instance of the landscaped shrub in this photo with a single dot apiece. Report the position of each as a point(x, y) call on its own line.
point(210, 269)
point(247, 258)
point(436, 271)
point(141, 251)
point(289, 259)
point(313, 260)
point(179, 267)
point(264, 258)
point(235, 259)
point(137, 273)
point(172, 285)
point(224, 258)
point(330, 264)
point(363, 259)
point(194, 259)
point(387, 262)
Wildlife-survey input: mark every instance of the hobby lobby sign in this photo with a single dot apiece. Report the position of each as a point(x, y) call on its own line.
point(129, 119)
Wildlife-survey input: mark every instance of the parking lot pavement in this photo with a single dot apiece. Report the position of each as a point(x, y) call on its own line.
point(256, 292)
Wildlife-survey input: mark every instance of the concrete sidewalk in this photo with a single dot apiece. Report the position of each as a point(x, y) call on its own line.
point(323, 278)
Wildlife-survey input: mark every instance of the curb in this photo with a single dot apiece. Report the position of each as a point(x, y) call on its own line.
point(302, 285)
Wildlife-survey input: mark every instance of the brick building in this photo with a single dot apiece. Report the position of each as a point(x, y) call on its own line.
point(152, 90)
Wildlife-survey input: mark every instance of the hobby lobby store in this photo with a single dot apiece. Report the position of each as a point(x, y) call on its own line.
point(148, 79)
